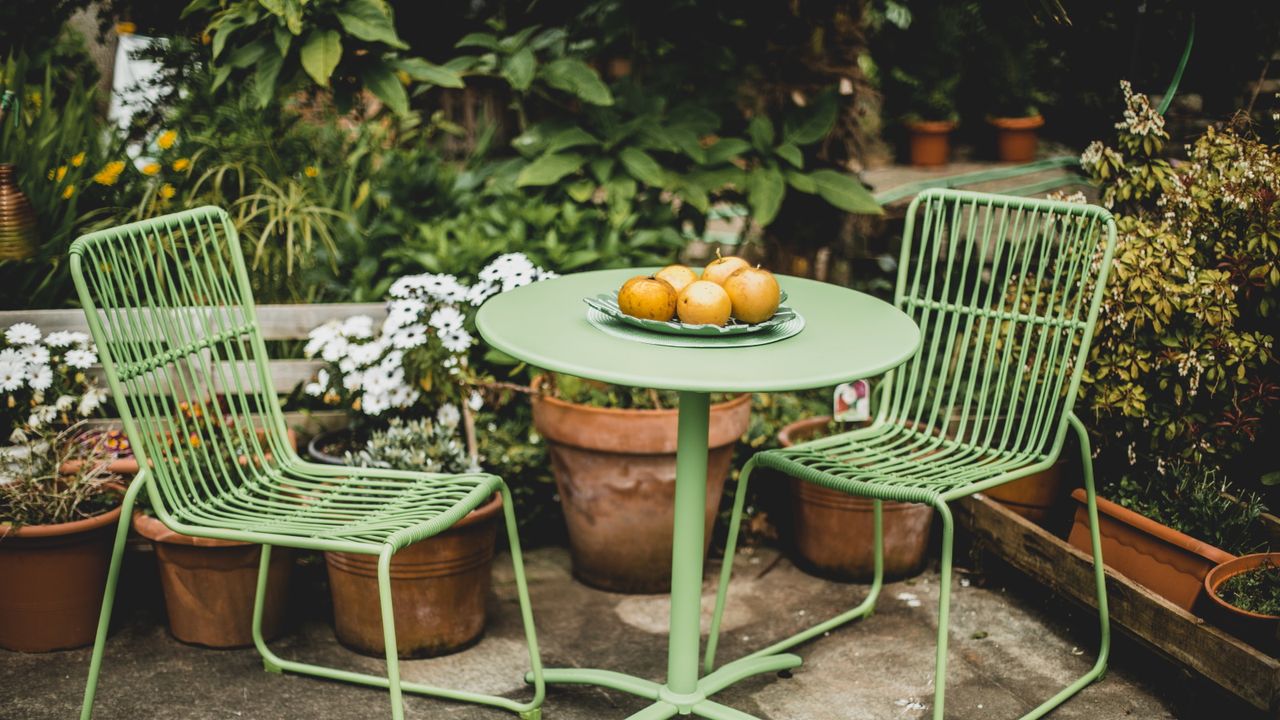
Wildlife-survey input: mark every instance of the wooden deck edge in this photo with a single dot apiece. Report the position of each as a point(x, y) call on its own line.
point(1238, 668)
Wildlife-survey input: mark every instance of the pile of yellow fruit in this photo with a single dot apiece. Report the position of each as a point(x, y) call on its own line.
point(728, 287)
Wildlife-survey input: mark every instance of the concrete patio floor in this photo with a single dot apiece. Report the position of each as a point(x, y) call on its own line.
point(1012, 646)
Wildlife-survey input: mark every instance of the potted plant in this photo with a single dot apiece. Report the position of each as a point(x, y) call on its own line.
point(58, 511)
point(833, 531)
point(1010, 58)
point(922, 87)
point(440, 585)
point(44, 379)
point(209, 584)
point(613, 454)
point(1246, 594)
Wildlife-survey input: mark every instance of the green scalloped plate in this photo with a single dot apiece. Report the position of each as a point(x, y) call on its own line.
point(607, 304)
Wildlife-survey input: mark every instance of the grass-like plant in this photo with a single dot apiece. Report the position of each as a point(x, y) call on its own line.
point(1256, 591)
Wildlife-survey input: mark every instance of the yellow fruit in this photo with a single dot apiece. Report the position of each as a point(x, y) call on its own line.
point(704, 303)
point(719, 270)
point(678, 275)
point(754, 293)
point(648, 297)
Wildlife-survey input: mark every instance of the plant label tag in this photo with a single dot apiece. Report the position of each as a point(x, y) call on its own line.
point(851, 402)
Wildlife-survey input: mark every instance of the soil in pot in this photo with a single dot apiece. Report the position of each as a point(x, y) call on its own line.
point(833, 532)
point(1170, 563)
point(1016, 138)
point(615, 470)
point(930, 142)
point(1258, 577)
point(439, 588)
point(209, 585)
point(53, 580)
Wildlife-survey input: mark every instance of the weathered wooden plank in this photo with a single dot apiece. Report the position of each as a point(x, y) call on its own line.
point(1186, 639)
point(278, 322)
point(285, 375)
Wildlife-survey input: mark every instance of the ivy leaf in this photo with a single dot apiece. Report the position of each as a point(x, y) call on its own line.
point(642, 166)
point(765, 190)
point(369, 21)
point(760, 130)
point(320, 55)
point(791, 154)
point(811, 124)
point(549, 169)
point(382, 80)
point(518, 69)
point(264, 78)
point(845, 192)
point(577, 78)
point(423, 71)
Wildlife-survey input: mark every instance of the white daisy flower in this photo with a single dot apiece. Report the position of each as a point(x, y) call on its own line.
point(358, 326)
point(352, 381)
point(13, 371)
point(60, 338)
point(446, 319)
point(409, 337)
point(365, 354)
point(403, 396)
point(335, 349)
point(42, 415)
point(448, 415)
point(41, 378)
point(401, 313)
point(320, 337)
point(475, 401)
point(35, 355)
point(456, 340)
point(64, 403)
point(319, 385)
point(92, 398)
point(22, 334)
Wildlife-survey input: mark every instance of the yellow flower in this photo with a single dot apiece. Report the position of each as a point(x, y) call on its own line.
point(109, 173)
point(167, 139)
point(311, 171)
point(181, 164)
point(167, 191)
point(126, 28)
point(68, 192)
point(151, 168)
point(59, 174)
point(77, 160)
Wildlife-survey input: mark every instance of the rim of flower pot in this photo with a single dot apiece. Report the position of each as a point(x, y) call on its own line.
point(1223, 572)
point(153, 529)
point(538, 382)
point(791, 428)
point(1028, 122)
point(931, 126)
point(66, 528)
point(313, 445)
point(1163, 532)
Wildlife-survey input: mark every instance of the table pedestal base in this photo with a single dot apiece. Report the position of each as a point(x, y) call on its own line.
point(668, 704)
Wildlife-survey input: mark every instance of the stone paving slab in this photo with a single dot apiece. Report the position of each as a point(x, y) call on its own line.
point(1006, 656)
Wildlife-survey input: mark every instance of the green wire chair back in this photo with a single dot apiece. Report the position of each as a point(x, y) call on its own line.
point(169, 306)
point(1006, 292)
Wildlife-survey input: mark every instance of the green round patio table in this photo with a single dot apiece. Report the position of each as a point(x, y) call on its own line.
point(847, 335)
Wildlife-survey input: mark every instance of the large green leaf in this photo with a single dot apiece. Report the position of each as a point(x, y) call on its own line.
point(382, 80)
point(573, 136)
point(642, 166)
point(549, 169)
point(250, 54)
point(577, 78)
point(483, 40)
point(518, 69)
point(687, 141)
point(801, 182)
point(791, 154)
point(811, 124)
point(264, 78)
point(423, 71)
point(369, 20)
point(320, 55)
point(760, 130)
point(765, 190)
point(845, 192)
point(727, 148)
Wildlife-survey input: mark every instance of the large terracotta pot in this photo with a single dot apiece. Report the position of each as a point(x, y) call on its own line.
point(209, 585)
point(52, 578)
point(1034, 497)
point(439, 587)
point(616, 470)
point(1261, 631)
point(1170, 563)
point(834, 532)
point(1016, 138)
point(930, 142)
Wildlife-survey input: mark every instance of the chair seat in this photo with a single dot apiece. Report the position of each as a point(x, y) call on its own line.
point(352, 509)
point(895, 462)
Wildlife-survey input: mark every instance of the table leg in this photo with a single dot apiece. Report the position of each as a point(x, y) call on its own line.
point(687, 543)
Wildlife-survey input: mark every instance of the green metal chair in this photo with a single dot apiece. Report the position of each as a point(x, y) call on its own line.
point(169, 305)
point(1006, 293)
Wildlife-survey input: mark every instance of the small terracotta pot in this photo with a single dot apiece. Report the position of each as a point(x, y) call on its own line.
point(1261, 631)
point(1016, 138)
point(1169, 563)
point(439, 587)
point(930, 141)
point(52, 578)
point(616, 470)
point(209, 585)
point(834, 532)
point(1035, 496)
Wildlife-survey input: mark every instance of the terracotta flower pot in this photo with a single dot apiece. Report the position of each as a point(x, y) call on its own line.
point(1034, 497)
point(51, 582)
point(1261, 631)
point(834, 531)
point(1016, 138)
point(1169, 563)
point(930, 142)
point(616, 470)
point(439, 587)
point(209, 585)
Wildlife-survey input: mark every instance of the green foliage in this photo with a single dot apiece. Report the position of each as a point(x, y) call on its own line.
point(1256, 591)
point(1183, 364)
point(41, 488)
point(415, 445)
point(924, 57)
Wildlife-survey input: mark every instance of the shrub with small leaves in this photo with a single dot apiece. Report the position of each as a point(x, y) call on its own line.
point(417, 445)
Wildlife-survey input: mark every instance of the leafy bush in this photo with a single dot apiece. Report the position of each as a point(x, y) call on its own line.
point(418, 445)
point(1195, 501)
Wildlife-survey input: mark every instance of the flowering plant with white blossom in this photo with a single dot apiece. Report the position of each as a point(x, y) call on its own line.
point(419, 355)
point(44, 381)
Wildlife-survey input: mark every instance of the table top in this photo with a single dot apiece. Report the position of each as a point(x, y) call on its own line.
point(847, 335)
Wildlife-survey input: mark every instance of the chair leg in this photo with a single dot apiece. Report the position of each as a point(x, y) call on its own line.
point(389, 632)
point(109, 595)
point(726, 569)
point(532, 709)
point(944, 610)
